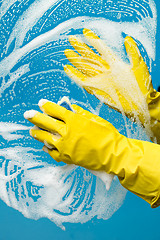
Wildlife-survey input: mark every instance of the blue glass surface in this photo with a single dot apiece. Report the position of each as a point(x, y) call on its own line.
point(135, 219)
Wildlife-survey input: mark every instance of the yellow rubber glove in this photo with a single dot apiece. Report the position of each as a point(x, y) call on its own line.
point(87, 140)
point(124, 87)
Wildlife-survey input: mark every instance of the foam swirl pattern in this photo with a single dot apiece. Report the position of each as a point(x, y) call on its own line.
point(33, 37)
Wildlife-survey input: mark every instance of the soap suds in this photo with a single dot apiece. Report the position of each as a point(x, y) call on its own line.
point(33, 69)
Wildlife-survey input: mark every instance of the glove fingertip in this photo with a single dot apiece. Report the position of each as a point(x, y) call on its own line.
point(86, 30)
point(131, 45)
point(53, 153)
point(67, 68)
point(30, 114)
point(32, 131)
point(72, 38)
point(89, 33)
point(128, 38)
point(132, 51)
point(42, 102)
point(67, 52)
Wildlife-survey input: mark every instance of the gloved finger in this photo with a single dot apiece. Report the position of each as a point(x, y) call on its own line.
point(128, 106)
point(45, 122)
point(82, 64)
point(92, 117)
point(120, 103)
point(53, 153)
point(132, 51)
point(75, 74)
point(115, 104)
point(103, 95)
point(56, 155)
point(138, 64)
point(79, 78)
point(87, 52)
point(100, 46)
point(45, 137)
point(52, 109)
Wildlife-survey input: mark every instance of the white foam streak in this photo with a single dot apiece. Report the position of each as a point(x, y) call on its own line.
point(28, 19)
point(62, 193)
point(44, 189)
point(101, 26)
point(7, 129)
point(5, 6)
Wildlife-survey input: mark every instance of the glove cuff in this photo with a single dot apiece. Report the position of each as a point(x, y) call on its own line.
point(140, 170)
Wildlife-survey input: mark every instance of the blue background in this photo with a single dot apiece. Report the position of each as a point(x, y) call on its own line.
point(134, 220)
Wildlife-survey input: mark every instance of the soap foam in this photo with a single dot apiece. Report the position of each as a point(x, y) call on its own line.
point(35, 188)
point(41, 190)
point(7, 130)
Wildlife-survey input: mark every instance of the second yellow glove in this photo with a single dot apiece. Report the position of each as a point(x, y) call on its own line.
point(124, 87)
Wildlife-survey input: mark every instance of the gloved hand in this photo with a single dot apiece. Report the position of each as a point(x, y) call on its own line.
point(124, 87)
point(105, 177)
point(87, 140)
